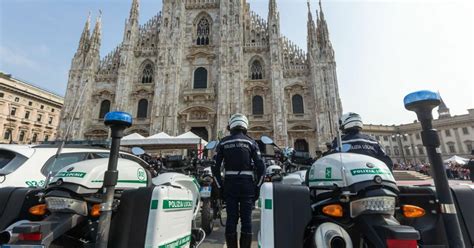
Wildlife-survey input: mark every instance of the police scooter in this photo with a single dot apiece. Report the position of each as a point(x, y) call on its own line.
point(212, 204)
point(350, 201)
point(96, 203)
point(290, 173)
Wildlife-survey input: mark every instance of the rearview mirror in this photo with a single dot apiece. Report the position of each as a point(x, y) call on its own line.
point(211, 145)
point(266, 140)
point(137, 151)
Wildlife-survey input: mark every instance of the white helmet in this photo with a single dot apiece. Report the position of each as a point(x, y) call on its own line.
point(350, 120)
point(273, 169)
point(238, 120)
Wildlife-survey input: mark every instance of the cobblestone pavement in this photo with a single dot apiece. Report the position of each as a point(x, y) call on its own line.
point(217, 239)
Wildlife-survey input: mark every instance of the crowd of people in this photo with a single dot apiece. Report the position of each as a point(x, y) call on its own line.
point(453, 170)
point(457, 171)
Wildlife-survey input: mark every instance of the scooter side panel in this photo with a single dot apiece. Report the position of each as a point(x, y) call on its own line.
point(266, 222)
point(170, 218)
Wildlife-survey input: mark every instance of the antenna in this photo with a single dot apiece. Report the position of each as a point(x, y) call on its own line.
point(66, 134)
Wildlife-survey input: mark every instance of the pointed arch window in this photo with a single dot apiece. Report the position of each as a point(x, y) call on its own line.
point(142, 111)
point(297, 102)
point(203, 32)
point(257, 105)
point(256, 70)
point(104, 108)
point(147, 74)
point(200, 78)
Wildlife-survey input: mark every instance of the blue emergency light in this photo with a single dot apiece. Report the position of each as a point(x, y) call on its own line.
point(118, 118)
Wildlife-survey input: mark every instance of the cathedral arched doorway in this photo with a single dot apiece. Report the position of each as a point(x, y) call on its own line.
point(201, 132)
point(301, 145)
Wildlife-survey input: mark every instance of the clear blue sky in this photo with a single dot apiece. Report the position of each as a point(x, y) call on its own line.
point(384, 48)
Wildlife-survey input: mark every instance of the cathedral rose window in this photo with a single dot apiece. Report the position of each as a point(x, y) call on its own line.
point(203, 31)
point(147, 75)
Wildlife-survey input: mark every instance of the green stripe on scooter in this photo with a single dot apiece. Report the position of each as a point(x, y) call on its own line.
point(154, 204)
point(268, 204)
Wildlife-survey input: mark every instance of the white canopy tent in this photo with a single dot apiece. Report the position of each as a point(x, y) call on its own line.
point(161, 135)
point(133, 136)
point(457, 160)
point(164, 141)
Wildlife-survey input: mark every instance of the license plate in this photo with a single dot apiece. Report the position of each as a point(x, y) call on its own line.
point(206, 192)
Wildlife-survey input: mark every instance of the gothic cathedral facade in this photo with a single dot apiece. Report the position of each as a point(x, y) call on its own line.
point(196, 63)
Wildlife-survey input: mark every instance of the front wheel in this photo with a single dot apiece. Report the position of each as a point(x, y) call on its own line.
point(207, 220)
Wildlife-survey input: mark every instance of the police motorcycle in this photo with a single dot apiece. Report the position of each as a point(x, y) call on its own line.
point(350, 201)
point(212, 203)
point(271, 158)
point(292, 165)
point(96, 203)
point(199, 170)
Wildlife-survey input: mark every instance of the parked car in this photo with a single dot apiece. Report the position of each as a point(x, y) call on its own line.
point(28, 165)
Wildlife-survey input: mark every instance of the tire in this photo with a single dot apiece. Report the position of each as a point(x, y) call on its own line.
point(207, 219)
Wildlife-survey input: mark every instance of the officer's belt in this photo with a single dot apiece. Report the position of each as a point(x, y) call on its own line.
point(236, 173)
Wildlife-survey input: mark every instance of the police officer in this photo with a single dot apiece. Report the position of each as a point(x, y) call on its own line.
point(237, 151)
point(354, 141)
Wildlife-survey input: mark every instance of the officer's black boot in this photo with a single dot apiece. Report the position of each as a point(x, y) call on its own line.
point(245, 240)
point(231, 240)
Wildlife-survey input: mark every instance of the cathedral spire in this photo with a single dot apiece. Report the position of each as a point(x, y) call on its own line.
point(272, 9)
point(84, 41)
point(322, 30)
point(321, 10)
point(134, 12)
point(310, 16)
point(273, 19)
point(311, 29)
point(97, 33)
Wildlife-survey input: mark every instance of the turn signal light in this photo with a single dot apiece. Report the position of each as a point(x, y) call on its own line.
point(95, 210)
point(38, 210)
point(410, 211)
point(334, 210)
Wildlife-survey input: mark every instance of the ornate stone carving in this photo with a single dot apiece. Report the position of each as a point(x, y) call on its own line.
point(198, 115)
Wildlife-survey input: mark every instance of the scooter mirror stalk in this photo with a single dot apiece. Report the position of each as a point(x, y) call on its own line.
point(118, 122)
point(422, 103)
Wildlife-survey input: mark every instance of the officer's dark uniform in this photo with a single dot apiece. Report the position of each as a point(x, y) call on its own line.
point(237, 151)
point(356, 142)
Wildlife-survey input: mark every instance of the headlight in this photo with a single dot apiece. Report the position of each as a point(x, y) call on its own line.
point(60, 204)
point(373, 205)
